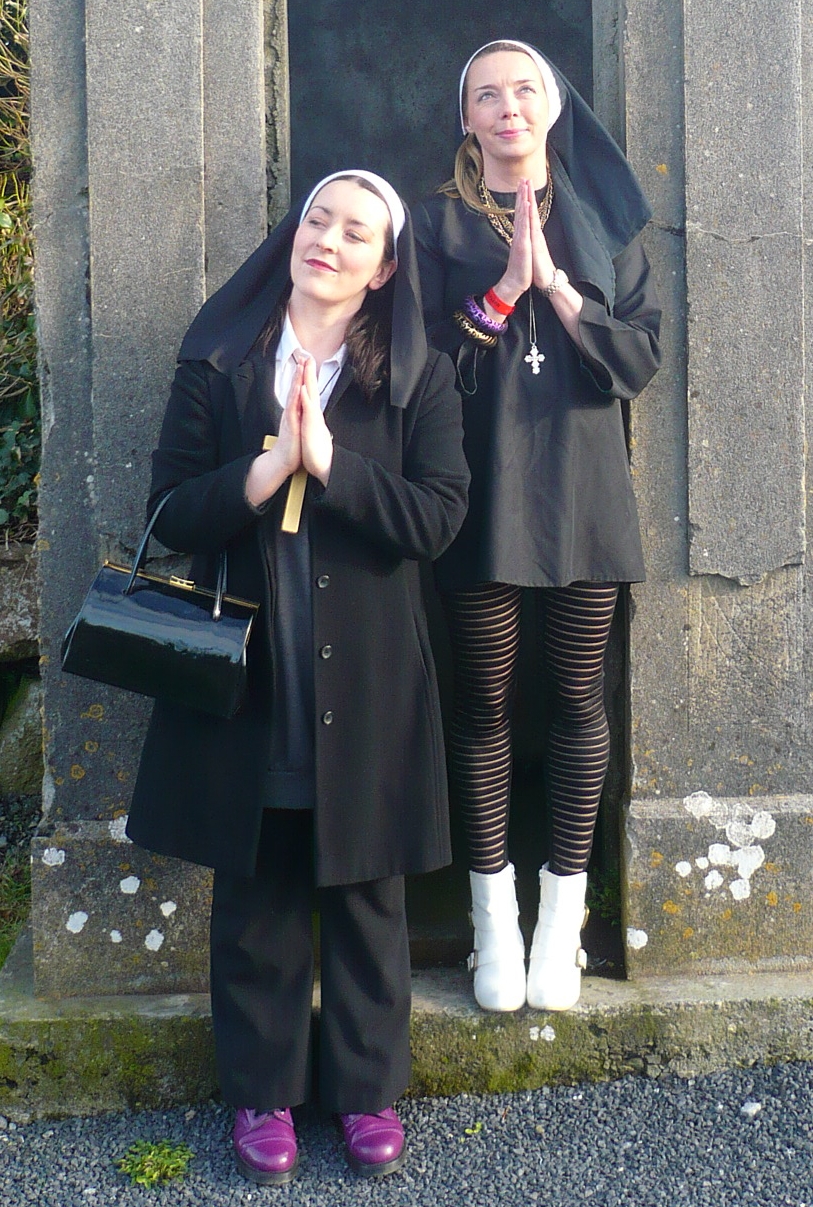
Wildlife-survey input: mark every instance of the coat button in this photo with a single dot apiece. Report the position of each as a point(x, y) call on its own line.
point(322, 581)
point(326, 651)
point(327, 718)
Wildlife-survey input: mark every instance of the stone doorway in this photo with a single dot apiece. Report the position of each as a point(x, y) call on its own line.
point(380, 92)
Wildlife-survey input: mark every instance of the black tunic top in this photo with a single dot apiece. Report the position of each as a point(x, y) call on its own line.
point(551, 499)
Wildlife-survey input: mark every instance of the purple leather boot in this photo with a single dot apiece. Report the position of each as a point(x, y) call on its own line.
point(375, 1143)
point(265, 1146)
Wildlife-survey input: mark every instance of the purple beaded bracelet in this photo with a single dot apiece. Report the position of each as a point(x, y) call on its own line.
point(481, 320)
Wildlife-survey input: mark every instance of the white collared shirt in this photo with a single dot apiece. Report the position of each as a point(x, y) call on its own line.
point(326, 378)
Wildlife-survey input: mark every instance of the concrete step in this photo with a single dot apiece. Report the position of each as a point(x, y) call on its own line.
point(79, 1056)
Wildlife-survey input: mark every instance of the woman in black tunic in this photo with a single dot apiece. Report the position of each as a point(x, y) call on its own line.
point(329, 784)
point(535, 282)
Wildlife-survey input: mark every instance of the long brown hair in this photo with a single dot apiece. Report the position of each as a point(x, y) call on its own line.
point(369, 331)
point(468, 162)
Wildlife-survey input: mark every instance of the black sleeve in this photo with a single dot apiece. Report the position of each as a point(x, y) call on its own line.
point(621, 349)
point(442, 331)
point(208, 507)
point(418, 512)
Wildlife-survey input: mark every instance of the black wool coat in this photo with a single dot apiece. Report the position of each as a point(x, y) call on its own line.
point(396, 494)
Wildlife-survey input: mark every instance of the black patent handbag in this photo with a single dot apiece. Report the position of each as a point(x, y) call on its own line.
point(162, 637)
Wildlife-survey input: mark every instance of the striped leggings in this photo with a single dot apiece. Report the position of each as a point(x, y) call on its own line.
point(573, 628)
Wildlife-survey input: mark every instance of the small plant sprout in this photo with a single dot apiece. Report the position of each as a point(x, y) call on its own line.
point(147, 1162)
point(474, 1130)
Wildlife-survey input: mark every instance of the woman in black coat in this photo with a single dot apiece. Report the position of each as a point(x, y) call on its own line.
point(536, 283)
point(331, 777)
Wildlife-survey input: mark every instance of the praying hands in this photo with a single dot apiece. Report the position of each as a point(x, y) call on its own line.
point(530, 263)
point(304, 441)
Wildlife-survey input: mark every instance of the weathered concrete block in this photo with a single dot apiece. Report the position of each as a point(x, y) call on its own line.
point(745, 650)
point(662, 753)
point(718, 884)
point(744, 244)
point(21, 743)
point(144, 111)
point(19, 605)
point(608, 101)
point(743, 89)
point(94, 735)
point(653, 93)
point(111, 918)
point(84, 1055)
point(234, 135)
point(68, 545)
point(746, 418)
point(718, 687)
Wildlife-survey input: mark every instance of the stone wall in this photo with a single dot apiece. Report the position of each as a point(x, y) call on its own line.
point(720, 827)
point(151, 170)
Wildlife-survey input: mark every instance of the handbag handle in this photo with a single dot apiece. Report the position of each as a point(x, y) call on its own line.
point(141, 554)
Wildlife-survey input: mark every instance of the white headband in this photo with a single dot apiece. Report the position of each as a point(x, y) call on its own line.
point(391, 199)
point(548, 78)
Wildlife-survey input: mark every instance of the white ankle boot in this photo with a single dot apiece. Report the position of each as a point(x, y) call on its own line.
point(498, 959)
point(557, 958)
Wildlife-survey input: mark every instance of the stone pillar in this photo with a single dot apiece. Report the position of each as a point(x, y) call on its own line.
point(719, 832)
point(148, 137)
point(608, 67)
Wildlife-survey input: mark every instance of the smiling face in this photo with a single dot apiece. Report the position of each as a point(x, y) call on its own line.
point(505, 106)
point(340, 247)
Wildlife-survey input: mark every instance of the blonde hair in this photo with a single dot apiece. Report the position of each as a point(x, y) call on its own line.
point(468, 162)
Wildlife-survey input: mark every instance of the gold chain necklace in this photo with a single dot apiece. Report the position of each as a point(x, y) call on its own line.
point(505, 229)
point(501, 222)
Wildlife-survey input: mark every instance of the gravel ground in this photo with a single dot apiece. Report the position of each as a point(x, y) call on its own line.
point(725, 1140)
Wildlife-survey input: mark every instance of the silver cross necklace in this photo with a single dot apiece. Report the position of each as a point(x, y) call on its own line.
point(534, 357)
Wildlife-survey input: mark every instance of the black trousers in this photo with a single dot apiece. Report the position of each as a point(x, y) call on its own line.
point(262, 966)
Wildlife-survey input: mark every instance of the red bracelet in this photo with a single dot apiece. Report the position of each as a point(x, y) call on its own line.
point(498, 304)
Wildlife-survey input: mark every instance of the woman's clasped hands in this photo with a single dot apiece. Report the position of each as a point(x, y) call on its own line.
point(304, 440)
point(304, 436)
point(530, 263)
point(529, 260)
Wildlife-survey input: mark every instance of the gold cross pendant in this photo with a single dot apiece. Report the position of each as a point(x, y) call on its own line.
point(296, 493)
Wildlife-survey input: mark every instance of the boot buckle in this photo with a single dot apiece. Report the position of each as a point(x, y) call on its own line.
point(471, 962)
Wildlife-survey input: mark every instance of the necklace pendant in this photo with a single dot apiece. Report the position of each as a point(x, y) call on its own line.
point(534, 358)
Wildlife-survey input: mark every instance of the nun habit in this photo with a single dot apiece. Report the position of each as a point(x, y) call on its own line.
point(341, 722)
point(551, 499)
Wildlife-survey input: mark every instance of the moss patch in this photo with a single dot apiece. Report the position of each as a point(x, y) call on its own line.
point(82, 1066)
